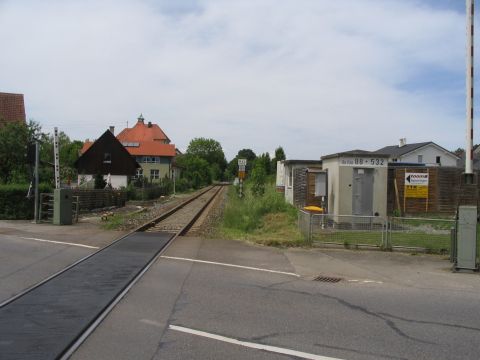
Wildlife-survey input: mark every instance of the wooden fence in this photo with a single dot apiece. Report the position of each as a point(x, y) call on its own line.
point(446, 190)
point(96, 199)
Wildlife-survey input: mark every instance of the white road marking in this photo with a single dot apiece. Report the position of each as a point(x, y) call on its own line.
point(257, 346)
point(366, 281)
point(60, 242)
point(151, 322)
point(230, 265)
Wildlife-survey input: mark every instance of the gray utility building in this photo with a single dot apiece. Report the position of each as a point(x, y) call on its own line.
point(357, 183)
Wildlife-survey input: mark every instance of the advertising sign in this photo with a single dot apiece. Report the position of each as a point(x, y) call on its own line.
point(416, 185)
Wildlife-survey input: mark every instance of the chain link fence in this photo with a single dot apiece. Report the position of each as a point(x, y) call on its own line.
point(424, 234)
point(351, 231)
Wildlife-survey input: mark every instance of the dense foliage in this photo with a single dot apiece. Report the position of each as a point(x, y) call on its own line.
point(14, 203)
point(150, 191)
point(203, 162)
point(17, 154)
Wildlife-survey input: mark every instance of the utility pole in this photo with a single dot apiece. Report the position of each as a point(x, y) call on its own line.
point(469, 93)
point(37, 160)
point(56, 157)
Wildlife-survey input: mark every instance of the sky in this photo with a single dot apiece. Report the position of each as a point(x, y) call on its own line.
point(313, 76)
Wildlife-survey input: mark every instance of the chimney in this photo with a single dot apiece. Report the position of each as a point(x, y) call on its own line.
point(403, 142)
point(149, 124)
point(140, 118)
point(112, 129)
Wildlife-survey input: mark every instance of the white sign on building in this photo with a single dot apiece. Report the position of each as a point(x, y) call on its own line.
point(418, 179)
point(363, 161)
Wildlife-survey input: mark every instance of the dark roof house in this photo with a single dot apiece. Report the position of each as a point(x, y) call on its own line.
point(106, 156)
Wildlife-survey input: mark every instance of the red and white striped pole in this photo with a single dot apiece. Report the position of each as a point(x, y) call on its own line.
point(469, 81)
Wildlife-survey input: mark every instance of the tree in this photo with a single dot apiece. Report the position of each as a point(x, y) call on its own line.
point(264, 161)
point(14, 140)
point(258, 179)
point(211, 151)
point(195, 170)
point(279, 156)
point(248, 154)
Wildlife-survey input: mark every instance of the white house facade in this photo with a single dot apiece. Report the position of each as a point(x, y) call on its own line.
point(427, 153)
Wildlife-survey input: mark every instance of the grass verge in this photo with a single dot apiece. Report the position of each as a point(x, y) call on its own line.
point(266, 219)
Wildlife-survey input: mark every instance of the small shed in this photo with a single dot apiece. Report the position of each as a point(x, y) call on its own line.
point(357, 183)
point(293, 180)
point(106, 156)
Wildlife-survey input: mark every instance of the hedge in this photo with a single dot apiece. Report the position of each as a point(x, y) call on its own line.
point(14, 204)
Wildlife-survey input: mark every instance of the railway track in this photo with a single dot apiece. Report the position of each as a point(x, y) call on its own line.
point(52, 319)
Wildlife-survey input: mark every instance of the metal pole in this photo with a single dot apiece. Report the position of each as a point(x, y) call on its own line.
point(173, 181)
point(56, 158)
point(37, 161)
point(469, 91)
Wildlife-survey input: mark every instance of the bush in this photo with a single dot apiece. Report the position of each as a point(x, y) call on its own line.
point(14, 204)
point(246, 214)
point(150, 191)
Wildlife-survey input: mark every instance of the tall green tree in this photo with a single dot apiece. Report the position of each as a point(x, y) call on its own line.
point(279, 155)
point(232, 169)
point(258, 178)
point(195, 170)
point(265, 162)
point(14, 140)
point(211, 151)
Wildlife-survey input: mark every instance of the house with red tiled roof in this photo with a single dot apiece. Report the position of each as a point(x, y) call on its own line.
point(12, 108)
point(149, 146)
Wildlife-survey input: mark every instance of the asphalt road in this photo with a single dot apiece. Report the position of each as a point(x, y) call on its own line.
point(30, 253)
point(189, 310)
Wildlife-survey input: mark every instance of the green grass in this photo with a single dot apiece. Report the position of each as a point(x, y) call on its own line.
point(118, 221)
point(266, 219)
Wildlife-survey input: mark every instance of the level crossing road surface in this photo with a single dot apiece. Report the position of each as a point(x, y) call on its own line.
point(209, 309)
point(30, 253)
point(70, 302)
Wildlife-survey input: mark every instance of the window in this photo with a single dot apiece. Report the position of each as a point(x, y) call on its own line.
point(394, 160)
point(320, 184)
point(107, 158)
point(438, 160)
point(139, 173)
point(420, 159)
point(154, 174)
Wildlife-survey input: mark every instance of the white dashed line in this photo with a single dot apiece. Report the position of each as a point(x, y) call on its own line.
point(365, 281)
point(251, 345)
point(230, 265)
point(60, 242)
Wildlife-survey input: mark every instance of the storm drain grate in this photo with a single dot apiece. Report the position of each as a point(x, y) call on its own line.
point(328, 279)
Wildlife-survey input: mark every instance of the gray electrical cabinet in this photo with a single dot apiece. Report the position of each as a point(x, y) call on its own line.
point(466, 249)
point(62, 207)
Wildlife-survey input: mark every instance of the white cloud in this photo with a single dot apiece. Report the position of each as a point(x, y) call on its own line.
point(313, 76)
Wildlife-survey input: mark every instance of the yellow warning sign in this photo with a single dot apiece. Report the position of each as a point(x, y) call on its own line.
point(241, 175)
point(416, 191)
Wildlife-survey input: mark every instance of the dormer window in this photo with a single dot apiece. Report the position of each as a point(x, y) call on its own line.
point(107, 158)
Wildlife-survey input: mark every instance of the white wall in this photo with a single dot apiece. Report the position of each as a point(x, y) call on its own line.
point(117, 181)
point(429, 154)
point(280, 174)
